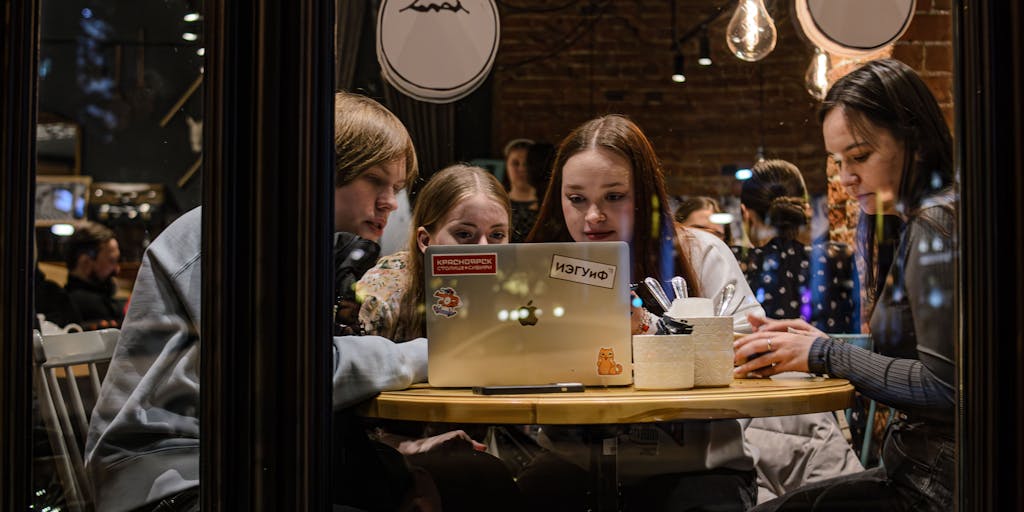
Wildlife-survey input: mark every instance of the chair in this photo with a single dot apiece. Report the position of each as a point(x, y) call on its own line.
point(60, 358)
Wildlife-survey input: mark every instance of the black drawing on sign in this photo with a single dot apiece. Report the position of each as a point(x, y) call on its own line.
point(417, 6)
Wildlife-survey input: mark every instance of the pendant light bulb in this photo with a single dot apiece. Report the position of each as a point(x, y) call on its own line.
point(678, 71)
point(816, 77)
point(705, 50)
point(751, 33)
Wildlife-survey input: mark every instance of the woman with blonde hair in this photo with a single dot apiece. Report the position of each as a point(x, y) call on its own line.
point(461, 204)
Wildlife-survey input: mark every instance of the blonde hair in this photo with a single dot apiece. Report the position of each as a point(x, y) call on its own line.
point(366, 135)
point(445, 190)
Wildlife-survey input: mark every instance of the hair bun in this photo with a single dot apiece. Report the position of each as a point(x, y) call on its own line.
point(787, 213)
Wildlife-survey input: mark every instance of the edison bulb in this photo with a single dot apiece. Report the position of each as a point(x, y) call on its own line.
point(751, 33)
point(816, 77)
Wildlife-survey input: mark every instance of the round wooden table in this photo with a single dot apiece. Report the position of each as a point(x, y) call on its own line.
point(745, 398)
point(782, 395)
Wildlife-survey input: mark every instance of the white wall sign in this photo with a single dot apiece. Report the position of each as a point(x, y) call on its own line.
point(437, 51)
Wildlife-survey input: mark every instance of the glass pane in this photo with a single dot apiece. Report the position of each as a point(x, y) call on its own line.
point(838, 217)
point(119, 150)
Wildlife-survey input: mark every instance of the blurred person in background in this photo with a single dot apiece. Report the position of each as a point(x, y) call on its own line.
point(696, 211)
point(93, 258)
point(521, 189)
point(791, 277)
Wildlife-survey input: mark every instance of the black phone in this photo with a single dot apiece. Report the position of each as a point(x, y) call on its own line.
point(560, 387)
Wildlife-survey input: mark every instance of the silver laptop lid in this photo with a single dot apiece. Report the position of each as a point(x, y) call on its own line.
point(522, 314)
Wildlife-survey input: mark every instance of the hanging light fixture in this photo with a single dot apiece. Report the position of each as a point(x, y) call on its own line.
point(751, 33)
point(705, 49)
point(816, 77)
point(678, 71)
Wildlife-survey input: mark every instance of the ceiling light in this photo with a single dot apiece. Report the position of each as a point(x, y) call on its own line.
point(192, 16)
point(744, 174)
point(62, 229)
point(751, 33)
point(189, 36)
point(720, 218)
point(705, 50)
point(678, 71)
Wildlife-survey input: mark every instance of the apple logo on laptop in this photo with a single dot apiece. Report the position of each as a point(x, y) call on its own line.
point(527, 314)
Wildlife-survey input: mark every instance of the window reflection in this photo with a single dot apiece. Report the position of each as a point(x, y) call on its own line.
point(118, 148)
point(127, 79)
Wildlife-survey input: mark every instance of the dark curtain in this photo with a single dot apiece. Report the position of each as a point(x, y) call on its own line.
point(432, 127)
point(347, 31)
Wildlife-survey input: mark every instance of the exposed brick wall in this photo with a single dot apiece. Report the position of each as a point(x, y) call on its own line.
point(623, 66)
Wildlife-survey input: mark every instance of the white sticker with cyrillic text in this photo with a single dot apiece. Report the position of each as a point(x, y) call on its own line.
point(582, 271)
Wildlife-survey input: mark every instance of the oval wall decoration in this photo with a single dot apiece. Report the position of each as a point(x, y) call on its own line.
point(854, 28)
point(437, 51)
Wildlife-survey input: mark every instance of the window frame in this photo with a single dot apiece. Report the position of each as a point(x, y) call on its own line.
point(267, 107)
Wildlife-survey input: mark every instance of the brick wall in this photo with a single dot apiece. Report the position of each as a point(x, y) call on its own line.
point(558, 69)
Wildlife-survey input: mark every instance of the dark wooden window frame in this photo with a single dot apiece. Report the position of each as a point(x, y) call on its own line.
point(266, 397)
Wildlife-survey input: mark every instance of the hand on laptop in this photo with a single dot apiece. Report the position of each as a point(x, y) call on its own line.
point(448, 439)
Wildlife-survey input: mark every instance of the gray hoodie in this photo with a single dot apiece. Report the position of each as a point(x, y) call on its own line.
point(143, 441)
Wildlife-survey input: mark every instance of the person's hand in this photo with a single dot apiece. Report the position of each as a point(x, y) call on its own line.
point(448, 439)
point(793, 325)
point(768, 352)
point(638, 316)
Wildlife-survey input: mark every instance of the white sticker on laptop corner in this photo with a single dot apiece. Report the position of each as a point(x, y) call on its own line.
point(582, 271)
point(463, 264)
point(447, 302)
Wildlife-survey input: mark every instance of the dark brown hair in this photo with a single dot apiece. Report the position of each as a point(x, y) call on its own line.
point(888, 94)
point(696, 204)
point(654, 235)
point(777, 194)
point(87, 239)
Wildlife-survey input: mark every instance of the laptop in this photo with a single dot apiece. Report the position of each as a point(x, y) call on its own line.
point(528, 314)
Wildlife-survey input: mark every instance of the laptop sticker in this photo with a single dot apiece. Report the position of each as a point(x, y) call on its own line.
point(582, 271)
point(606, 364)
point(447, 300)
point(464, 264)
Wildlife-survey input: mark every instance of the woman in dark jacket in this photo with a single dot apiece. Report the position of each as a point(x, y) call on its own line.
point(885, 131)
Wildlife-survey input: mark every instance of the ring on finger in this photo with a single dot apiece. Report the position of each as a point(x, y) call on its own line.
point(769, 344)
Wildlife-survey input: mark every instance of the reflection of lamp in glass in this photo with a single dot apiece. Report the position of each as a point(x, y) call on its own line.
point(678, 73)
point(751, 32)
point(705, 50)
point(816, 77)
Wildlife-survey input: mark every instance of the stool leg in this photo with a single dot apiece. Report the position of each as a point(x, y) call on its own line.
point(869, 427)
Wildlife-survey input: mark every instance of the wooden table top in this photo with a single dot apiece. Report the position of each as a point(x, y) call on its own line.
point(745, 398)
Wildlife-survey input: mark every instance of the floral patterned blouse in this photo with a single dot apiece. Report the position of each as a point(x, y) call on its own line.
point(524, 215)
point(380, 292)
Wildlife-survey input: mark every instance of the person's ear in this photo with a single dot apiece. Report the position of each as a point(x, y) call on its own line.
point(744, 214)
point(83, 261)
point(422, 238)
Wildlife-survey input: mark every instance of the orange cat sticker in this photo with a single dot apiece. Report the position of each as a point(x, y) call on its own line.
point(606, 364)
